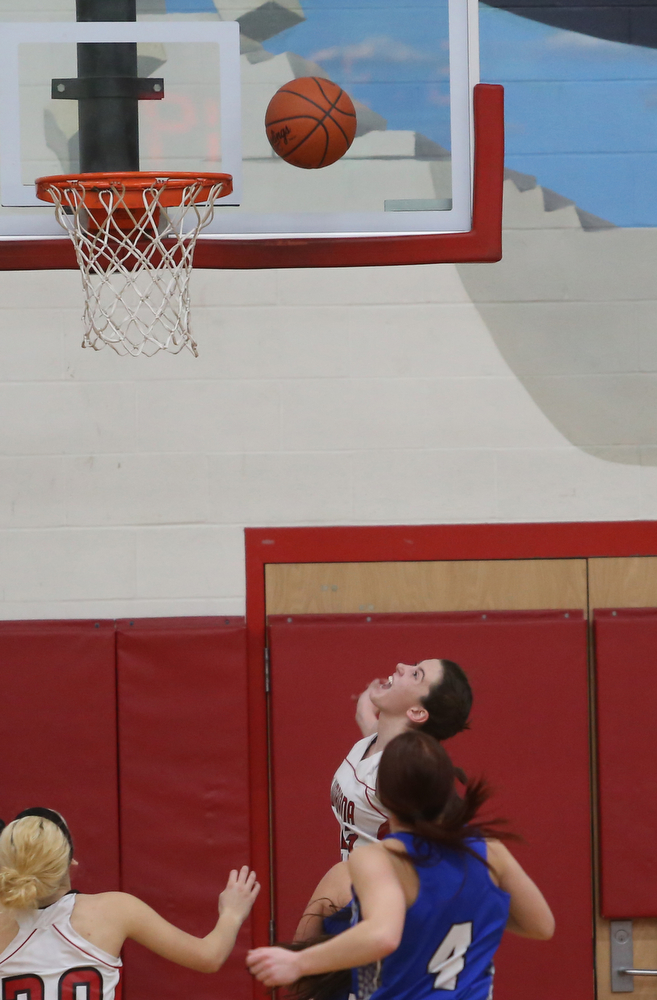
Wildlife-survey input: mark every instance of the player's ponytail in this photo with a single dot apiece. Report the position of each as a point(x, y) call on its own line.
point(34, 859)
point(415, 782)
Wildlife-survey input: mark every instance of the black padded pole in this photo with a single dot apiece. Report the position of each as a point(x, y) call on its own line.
point(109, 126)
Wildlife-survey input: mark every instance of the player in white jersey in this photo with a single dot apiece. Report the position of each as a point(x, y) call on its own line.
point(53, 940)
point(433, 696)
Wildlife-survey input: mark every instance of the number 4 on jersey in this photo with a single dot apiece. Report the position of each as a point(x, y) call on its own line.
point(449, 957)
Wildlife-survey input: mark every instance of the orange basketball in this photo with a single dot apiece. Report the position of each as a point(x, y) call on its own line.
point(310, 122)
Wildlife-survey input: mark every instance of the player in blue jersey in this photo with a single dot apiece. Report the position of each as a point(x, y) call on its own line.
point(430, 903)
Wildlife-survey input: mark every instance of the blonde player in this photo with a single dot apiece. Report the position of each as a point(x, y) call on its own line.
point(54, 941)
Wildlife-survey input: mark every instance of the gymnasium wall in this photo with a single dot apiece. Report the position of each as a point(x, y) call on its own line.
point(520, 391)
point(329, 397)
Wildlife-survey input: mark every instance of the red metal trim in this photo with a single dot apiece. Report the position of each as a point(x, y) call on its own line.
point(258, 750)
point(448, 541)
point(394, 543)
point(483, 243)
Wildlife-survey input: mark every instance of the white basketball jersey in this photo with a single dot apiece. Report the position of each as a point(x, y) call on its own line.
point(361, 816)
point(48, 960)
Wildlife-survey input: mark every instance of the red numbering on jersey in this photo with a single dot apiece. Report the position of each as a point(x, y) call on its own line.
point(84, 976)
point(30, 987)
point(347, 841)
point(310, 122)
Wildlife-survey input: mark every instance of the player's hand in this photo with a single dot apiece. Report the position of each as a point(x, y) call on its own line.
point(367, 716)
point(274, 966)
point(240, 894)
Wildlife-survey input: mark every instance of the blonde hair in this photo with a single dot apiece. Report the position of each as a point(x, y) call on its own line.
point(34, 860)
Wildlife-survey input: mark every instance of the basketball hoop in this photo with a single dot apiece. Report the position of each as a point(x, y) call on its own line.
point(134, 235)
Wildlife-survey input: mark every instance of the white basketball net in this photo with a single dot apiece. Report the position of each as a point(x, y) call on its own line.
point(136, 275)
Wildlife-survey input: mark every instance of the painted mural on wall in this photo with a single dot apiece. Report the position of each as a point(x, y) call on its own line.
point(572, 296)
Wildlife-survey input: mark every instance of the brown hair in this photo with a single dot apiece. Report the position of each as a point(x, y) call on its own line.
point(415, 783)
point(448, 703)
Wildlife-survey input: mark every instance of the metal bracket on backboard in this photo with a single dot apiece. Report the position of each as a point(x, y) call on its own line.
point(136, 88)
point(622, 958)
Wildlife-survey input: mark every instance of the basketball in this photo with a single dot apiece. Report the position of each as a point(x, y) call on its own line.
point(310, 122)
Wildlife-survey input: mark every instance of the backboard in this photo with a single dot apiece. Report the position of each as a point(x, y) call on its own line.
point(421, 181)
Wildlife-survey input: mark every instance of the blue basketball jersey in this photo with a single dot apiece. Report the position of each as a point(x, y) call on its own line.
point(451, 932)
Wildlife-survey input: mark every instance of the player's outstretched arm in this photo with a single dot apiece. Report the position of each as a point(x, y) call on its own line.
point(529, 913)
point(383, 911)
point(367, 717)
point(207, 954)
point(332, 893)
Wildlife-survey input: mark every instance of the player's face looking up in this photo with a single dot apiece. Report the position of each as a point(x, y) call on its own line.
point(403, 691)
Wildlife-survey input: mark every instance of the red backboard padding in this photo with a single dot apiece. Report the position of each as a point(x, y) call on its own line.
point(529, 737)
point(184, 795)
point(59, 735)
point(626, 694)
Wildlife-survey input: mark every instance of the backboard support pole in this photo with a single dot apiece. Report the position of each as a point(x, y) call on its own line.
point(109, 126)
point(107, 89)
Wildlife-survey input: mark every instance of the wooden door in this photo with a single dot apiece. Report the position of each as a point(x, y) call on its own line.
point(527, 689)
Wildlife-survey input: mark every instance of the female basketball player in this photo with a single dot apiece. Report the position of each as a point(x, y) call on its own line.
point(53, 940)
point(430, 902)
point(433, 696)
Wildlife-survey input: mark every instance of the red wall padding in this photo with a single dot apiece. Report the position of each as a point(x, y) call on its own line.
point(626, 669)
point(59, 735)
point(529, 737)
point(183, 749)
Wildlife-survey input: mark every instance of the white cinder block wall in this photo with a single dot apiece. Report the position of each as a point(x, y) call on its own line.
point(364, 396)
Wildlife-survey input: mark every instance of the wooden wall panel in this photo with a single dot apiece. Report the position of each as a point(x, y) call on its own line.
point(495, 585)
point(623, 583)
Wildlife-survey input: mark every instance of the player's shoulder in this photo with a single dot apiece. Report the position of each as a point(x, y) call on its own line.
point(369, 856)
point(355, 756)
point(8, 922)
point(360, 747)
point(495, 853)
point(107, 903)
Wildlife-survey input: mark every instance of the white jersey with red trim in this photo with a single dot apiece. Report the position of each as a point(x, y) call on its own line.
point(361, 816)
point(48, 960)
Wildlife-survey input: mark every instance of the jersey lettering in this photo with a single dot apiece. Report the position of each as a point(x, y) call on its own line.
point(85, 983)
point(448, 959)
point(27, 987)
point(343, 806)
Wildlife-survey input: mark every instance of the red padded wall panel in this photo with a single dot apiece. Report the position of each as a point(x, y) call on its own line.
point(183, 752)
point(59, 735)
point(626, 687)
point(529, 736)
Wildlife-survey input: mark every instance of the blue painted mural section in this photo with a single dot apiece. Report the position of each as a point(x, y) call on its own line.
point(190, 7)
point(395, 59)
point(581, 112)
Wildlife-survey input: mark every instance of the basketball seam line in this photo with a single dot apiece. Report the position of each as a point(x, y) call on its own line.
point(326, 114)
point(304, 97)
point(326, 98)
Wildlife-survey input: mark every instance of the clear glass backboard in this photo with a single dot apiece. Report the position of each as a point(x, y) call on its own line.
point(409, 66)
